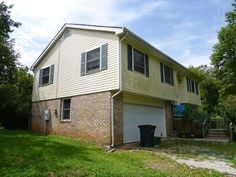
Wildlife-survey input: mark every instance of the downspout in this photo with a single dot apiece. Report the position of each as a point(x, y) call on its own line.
point(117, 93)
point(58, 63)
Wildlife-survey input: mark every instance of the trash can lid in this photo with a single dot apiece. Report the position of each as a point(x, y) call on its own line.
point(146, 126)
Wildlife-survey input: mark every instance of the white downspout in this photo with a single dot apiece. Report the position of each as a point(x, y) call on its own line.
point(117, 93)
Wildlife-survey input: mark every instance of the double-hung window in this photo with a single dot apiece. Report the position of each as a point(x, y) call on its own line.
point(94, 60)
point(65, 109)
point(137, 61)
point(46, 75)
point(166, 74)
point(192, 86)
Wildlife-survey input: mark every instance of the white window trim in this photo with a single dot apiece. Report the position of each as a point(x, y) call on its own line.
point(100, 58)
point(164, 76)
point(50, 67)
point(62, 109)
point(133, 61)
point(189, 89)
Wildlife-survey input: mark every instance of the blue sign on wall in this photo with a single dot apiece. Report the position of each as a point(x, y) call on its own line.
point(179, 110)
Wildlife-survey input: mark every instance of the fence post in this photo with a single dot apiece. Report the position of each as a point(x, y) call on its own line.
point(231, 131)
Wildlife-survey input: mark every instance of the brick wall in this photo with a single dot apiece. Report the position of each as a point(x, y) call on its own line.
point(90, 117)
point(118, 116)
point(169, 118)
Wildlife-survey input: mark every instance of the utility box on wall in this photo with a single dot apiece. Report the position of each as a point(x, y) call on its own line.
point(47, 115)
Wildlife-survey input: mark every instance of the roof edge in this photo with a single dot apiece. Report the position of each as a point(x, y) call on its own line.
point(162, 53)
point(117, 30)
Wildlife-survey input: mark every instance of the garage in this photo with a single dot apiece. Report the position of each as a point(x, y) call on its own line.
point(134, 115)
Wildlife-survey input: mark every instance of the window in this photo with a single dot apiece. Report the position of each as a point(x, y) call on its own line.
point(94, 60)
point(192, 86)
point(46, 75)
point(197, 91)
point(65, 111)
point(166, 74)
point(137, 61)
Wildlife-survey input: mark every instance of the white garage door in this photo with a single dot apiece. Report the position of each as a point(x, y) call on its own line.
point(135, 115)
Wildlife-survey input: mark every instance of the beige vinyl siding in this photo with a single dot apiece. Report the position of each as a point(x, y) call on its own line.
point(182, 90)
point(49, 91)
point(142, 100)
point(140, 84)
point(69, 81)
point(191, 97)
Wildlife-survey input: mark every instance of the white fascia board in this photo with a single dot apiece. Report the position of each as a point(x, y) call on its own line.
point(117, 31)
point(96, 28)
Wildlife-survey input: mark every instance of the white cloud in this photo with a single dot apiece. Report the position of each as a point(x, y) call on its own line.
point(187, 45)
point(41, 19)
point(189, 58)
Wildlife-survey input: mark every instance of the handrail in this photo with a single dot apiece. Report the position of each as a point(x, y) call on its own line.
point(231, 131)
point(204, 128)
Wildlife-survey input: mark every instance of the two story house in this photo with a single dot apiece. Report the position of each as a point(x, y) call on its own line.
point(101, 82)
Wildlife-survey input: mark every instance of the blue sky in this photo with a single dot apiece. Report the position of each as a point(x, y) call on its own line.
point(183, 29)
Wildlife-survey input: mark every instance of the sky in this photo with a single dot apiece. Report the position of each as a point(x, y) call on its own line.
point(185, 30)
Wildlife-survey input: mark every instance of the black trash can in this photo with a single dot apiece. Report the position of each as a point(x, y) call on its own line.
point(147, 135)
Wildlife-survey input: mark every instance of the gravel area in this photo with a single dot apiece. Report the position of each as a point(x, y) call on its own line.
point(213, 164)
point(220, 166)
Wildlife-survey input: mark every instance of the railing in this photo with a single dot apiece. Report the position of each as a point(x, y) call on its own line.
point(205, 128)
point(231, 133)
point(218, 123)
point(202, 119)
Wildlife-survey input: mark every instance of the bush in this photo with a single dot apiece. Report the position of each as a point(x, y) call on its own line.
point(227, 109)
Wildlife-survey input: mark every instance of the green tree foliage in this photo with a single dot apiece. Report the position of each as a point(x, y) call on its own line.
point(227, 109)
point(15, 81)
point(224, 55)
point(209, 88)
point(8, 57)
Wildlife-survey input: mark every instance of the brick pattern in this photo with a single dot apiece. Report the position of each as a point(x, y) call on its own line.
point(90, 117)
point(118, 116)
point(169, 118)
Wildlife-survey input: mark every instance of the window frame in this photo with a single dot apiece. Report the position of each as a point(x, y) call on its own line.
point(133, 61)
point(62, 119)
point(164, 74)
point(49, 75)
point(100, 59)
point(192, 86)
point(43, 77)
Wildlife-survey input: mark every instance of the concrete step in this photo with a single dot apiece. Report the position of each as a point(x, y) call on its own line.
point(217, 136)
point(218, 133)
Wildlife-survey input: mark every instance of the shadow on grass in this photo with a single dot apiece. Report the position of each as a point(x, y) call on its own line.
point(28, 154)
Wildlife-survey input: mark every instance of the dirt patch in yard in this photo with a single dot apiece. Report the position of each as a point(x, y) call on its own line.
point(217, 165)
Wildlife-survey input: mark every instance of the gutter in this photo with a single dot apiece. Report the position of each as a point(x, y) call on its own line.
point(117, 93)
point(162, 54)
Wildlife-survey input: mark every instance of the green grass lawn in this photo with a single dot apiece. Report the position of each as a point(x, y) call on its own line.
point(24, 153)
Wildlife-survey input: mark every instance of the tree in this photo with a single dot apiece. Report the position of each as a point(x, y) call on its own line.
point(15, 81)
point(16, 101)
point(224, 55)
point(8, 57)
point(209, 88)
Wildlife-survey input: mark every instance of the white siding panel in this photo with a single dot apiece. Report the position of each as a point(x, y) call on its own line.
point(49, 91)
point(135, 82)
point(69, 81)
